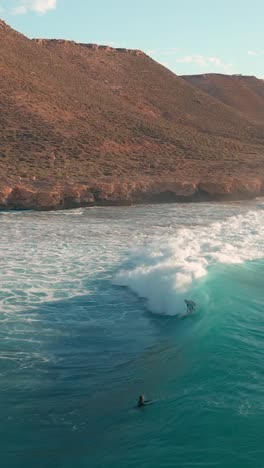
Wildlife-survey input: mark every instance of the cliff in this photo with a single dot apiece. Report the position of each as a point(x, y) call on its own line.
point(43, 196)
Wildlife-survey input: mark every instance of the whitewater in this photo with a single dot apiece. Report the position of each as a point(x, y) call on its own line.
point(89, 311)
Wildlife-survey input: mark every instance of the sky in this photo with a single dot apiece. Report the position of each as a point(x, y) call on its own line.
point(189, 37)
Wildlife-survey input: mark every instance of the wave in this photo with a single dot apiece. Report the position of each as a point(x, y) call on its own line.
point(169, 269)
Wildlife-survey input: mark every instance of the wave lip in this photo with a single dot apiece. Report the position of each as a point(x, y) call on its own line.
point(167, 270)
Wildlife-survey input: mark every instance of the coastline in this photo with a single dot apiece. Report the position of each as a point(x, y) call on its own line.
point(47, 196)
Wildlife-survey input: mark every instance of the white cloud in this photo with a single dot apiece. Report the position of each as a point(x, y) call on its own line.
point(202, 61)
point(38, 6)
point(255, 53)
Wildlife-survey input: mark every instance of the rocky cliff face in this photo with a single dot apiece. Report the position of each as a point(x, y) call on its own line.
point(63, 196)
point(95, 47)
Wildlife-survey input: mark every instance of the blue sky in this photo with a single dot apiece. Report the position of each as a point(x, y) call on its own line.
point(195, 36)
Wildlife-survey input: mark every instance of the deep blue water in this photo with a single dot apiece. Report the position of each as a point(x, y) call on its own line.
point(90, 318)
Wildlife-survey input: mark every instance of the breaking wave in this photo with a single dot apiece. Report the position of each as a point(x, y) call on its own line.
point(169, 269)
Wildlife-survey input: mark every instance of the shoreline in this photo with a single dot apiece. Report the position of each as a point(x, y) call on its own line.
point(44, 196)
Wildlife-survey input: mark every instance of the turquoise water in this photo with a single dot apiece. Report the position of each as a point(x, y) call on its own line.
point(90, 305)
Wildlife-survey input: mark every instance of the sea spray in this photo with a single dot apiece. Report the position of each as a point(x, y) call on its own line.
point(169, 269)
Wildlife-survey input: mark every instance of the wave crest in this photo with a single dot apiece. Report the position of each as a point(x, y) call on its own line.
point(168, 269)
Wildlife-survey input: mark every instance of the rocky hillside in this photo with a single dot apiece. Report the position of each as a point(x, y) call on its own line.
point(245, 94)
point(84, 124)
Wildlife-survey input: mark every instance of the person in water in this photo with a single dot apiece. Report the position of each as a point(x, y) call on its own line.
point(142, 401)
point(190, 306)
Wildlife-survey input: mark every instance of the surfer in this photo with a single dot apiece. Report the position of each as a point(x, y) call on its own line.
point(142, 401)
point(190, 306)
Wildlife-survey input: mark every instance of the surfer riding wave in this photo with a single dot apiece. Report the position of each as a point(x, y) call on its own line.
point(190, 306)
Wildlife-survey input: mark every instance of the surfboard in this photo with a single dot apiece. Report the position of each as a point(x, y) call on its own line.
point(183, 316)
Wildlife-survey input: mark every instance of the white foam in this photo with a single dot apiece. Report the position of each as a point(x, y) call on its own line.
point(166, 270)
point(46, 258)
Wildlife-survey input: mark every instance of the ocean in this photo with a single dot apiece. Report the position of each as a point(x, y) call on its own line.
point(90, 310)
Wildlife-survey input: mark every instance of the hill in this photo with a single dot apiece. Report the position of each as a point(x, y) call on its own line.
point(245, 94)
point(84, 124)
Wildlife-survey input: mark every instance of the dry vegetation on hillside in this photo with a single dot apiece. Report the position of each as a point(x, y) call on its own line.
point(79, 112)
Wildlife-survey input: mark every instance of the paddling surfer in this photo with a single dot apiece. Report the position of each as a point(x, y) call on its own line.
point(142, 402)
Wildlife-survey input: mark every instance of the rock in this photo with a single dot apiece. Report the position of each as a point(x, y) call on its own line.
point(249, 188)
point(49, 200)
point(86, 196)
point(232, 188)
point(41, 195)
point(4, 194)
point(178, 188)
point(78, 196)
point(21, 198)
point(95, 47)
point(135, 52)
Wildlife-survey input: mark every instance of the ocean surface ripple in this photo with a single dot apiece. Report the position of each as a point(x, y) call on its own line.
point(89, 310)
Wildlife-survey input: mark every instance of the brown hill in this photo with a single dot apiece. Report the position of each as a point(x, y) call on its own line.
point(243, 93)
point(116, 126)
